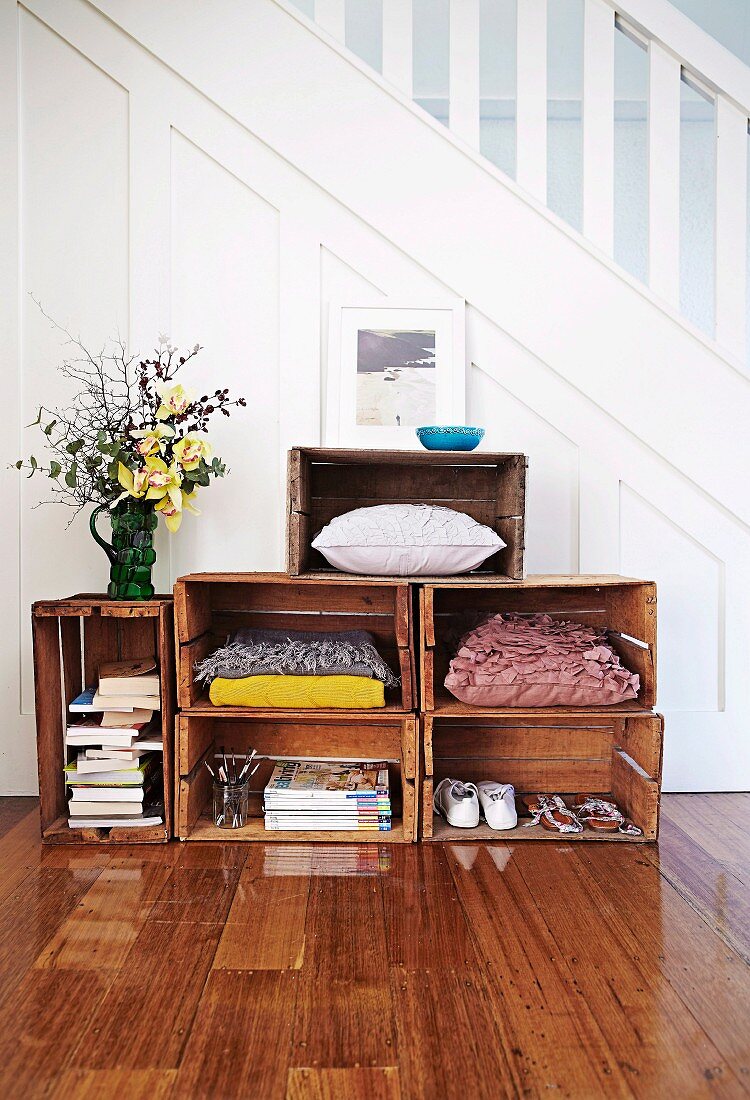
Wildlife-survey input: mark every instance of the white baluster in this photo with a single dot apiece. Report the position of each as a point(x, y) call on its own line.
point(330, 15)
point(531, 97)
point(463, 111)
point(731, 226)
point(598, 123)
point(397, 44)
point(664, 173)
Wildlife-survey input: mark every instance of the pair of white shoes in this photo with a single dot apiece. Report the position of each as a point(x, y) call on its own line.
point(460, 803)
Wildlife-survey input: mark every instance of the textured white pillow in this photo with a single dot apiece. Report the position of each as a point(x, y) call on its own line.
point(398, 540)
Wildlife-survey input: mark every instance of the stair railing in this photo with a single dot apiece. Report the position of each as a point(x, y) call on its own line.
point(678, 51)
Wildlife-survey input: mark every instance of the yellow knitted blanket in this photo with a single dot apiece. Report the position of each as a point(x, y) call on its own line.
point(298, 692)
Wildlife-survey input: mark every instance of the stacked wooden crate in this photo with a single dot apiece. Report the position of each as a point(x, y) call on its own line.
point(325, 483)
point(211, 606)
point(614, 751)
point(72, 638)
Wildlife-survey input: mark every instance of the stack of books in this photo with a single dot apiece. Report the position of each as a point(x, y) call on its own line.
point(114, 797)
point(327, 796)
point(117, 778)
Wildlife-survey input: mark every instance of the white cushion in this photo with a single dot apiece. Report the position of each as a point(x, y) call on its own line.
point(397, 540)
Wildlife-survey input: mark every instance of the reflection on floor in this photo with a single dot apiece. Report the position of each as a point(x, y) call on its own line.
point(435, 971)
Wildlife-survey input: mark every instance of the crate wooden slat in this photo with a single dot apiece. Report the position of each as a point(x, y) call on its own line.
point(312, 734)
point(614, 755)
point(624, 606)
point(324, 483)
point(210, 606)
point(71, 638)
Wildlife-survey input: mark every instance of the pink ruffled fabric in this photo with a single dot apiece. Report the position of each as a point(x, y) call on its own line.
point(537, 661)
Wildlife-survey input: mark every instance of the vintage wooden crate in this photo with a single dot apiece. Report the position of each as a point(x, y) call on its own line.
point(210, 606)
point(613, 755)
point(624, 607)
point(324, 483)
point(306, 734)
point(72, 637)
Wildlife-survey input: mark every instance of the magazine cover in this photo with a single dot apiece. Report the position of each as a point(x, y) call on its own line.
point(345, 780)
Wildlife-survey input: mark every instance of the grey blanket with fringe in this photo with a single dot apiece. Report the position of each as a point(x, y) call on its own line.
point(296, 653)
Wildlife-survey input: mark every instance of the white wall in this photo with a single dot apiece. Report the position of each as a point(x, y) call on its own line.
point(152, 202)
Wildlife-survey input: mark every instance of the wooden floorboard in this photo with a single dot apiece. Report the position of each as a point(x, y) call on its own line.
point(436, 971)
point(360, 1083)
point(712, 887)
point(550, 1030)
point(640, 1015)
point(12, 809)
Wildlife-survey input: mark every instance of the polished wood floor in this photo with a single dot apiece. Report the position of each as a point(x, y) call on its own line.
point(334, 973)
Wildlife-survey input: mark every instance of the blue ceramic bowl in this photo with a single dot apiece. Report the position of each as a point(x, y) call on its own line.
point(449, 437)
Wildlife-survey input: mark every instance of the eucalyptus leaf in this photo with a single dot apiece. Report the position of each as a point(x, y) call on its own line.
point(55, 469)
point(71, 478)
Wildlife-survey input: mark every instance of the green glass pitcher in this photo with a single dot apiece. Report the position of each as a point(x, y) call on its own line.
point(131, 553)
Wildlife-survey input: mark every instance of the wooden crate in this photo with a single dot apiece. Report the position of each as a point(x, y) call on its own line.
point(617, 756)
point(624, 607)
point(324, 483)
point(306, 734)
point(72, 637)
point(210, 606)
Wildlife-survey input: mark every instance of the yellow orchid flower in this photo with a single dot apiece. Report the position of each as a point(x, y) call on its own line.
point(172, 514)
point(163, 481)
point(190, 450)
point(174, 400)
point(150, 441)
point(134, 484)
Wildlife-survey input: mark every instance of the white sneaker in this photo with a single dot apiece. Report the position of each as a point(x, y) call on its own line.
point(458, 803)
point(498, 802)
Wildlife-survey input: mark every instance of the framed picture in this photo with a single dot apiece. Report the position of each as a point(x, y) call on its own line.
point(393, 368)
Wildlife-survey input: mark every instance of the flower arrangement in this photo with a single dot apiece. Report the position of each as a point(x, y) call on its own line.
point(131, 432)
point(132, 442)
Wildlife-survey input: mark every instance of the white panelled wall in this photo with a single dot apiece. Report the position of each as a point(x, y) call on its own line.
point(223, 173)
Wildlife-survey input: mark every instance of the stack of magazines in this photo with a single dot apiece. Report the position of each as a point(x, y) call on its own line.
point(327, 795)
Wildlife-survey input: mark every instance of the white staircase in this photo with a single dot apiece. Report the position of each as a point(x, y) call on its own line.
point(271, 171)
point(677, 52)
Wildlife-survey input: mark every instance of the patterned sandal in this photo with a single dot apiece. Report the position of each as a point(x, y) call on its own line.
point(597, 813)
point(605, 816)
point(552, 814)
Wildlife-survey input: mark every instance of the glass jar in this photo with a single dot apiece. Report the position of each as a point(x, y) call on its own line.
point(230, 805)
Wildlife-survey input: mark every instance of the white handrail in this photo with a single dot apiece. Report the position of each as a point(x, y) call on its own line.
point(716, 66)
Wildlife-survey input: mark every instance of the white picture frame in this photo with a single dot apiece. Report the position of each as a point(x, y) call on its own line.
point(365, 398)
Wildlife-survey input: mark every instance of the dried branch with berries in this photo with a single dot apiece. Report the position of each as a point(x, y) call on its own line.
point(130, 432)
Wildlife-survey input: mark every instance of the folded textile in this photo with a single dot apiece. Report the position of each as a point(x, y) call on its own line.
point(537, 661)
point(298, 692)
point(296, 653)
